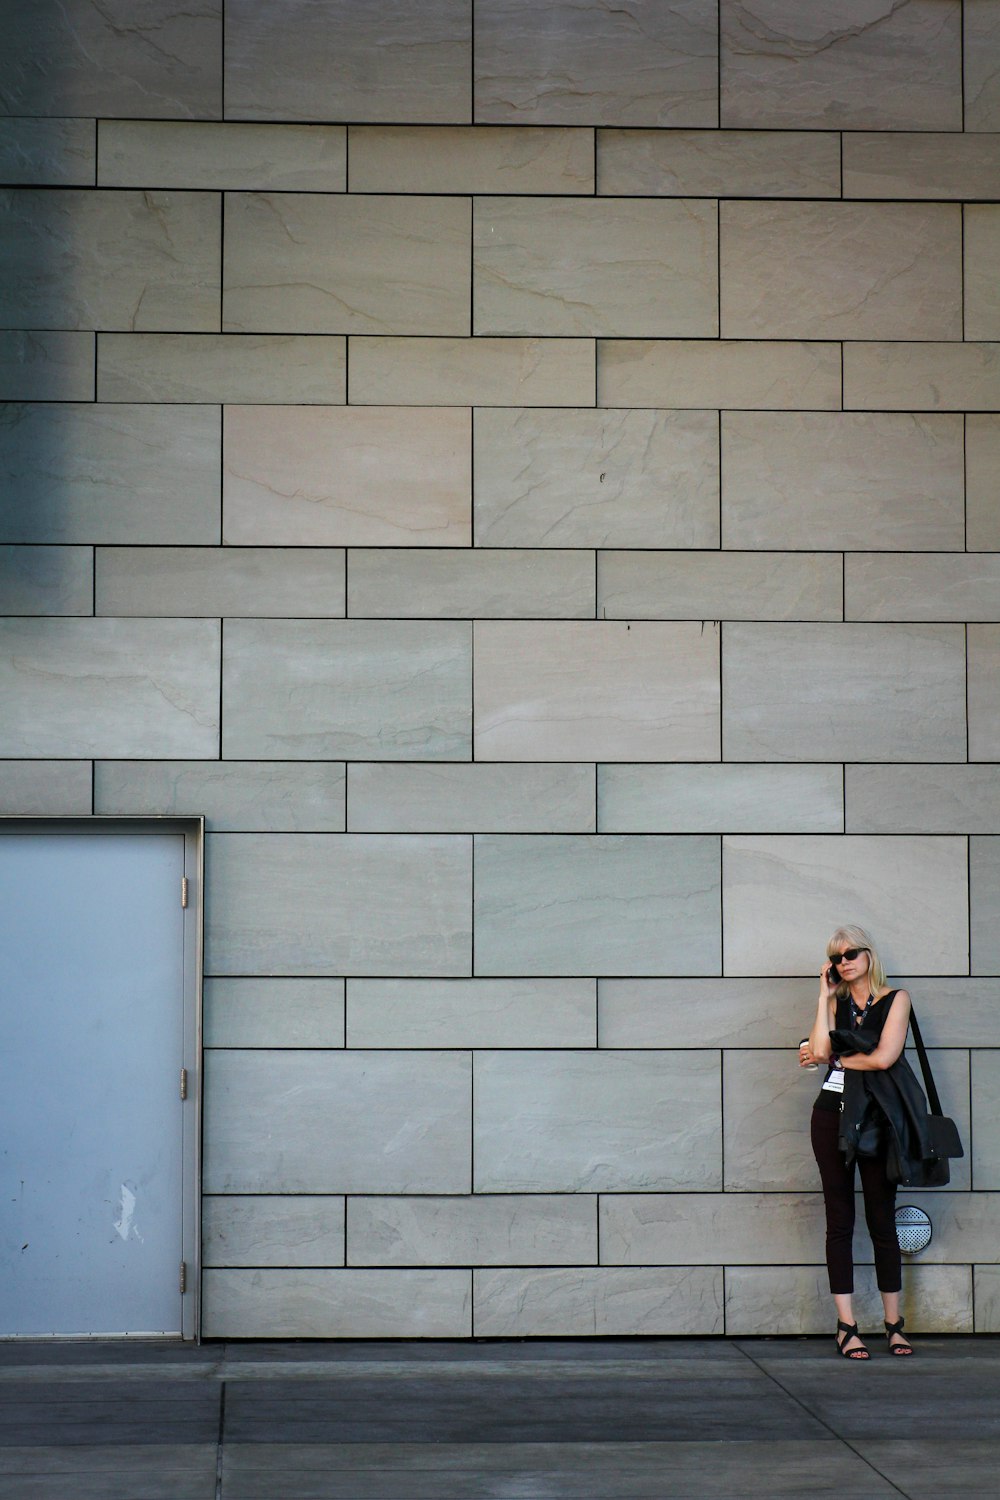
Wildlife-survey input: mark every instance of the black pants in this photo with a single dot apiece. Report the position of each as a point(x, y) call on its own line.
point(838, 1194)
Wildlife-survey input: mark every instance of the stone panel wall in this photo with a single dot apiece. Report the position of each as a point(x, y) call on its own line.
point(529, 475)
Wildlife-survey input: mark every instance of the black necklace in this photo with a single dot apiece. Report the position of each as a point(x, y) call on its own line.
point(857, 1014)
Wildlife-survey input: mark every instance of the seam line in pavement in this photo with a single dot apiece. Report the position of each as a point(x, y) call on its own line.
point(220, 1441)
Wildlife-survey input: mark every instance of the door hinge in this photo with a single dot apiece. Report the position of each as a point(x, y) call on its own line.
point(184, 1276)
point(184, 1083)
point(184, 890)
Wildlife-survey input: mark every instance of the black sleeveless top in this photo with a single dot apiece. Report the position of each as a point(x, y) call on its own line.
point(875, 1019)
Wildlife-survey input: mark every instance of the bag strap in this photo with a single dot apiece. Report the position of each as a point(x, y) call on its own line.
point(930, 1087)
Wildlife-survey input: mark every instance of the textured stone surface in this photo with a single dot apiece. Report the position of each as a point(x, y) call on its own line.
point(471, 159)
point(46, 580)
point(474, 797)
point(718, 163)
point(982, 247)
point(636, 267)
point(605, 1301)
point(901, 165)
point(679, 1229)
point(152, 58)
point(278, 1231)
point(707, 1012)
point(56, 153)
point(109, 687)
point(45, 786)
point(593, 479)
point(984, 917)
point(726, 799)
point(717, 372)
point(922, 799)
point(105, 259)
point(463, 583)
point(401, 1124)
point(234, 796)
point(332, 477)
point(604, 904)
point(274, 1013)
point(799, 692)
point(472, 1013)
point(121, 474)
point(317, 60)
point(841, 270)
point(922, 377)
point(982, 65)
point(984, 692)
point(783, 895)
point(351, 689)
point(877, 66)
point(987, 1295)
point(336, 1304)
point(242, 367)
point(46, 366)
point(914, 586)
point(597, 689)
point(357, 264)
point(302, 904)
point(485, 1230)
point(162, 153)
point(478, 372)
point(589, 1121)
point(232, 581)
point(982, 478)
point(775, 1300)
point(596, 63)
point(718, 586)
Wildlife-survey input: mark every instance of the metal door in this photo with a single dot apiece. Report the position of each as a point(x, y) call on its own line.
point(92, 1042)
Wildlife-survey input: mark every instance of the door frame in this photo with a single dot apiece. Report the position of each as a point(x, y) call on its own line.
point(192, 828)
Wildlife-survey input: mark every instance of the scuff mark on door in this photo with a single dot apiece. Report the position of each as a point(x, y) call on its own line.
point(125, 1223)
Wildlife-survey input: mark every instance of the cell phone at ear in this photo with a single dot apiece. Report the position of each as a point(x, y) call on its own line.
point(833, 975)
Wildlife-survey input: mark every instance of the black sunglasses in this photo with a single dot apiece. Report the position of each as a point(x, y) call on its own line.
point(849, 953)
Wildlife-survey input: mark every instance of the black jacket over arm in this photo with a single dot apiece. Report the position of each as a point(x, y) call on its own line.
point(897, 1093)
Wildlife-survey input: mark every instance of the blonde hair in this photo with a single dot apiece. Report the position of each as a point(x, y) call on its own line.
point(857, 937)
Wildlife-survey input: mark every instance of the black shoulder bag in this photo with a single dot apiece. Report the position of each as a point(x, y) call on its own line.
point(942, 1132)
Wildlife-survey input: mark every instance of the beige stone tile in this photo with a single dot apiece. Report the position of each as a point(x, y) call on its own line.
point(982, 65)
point(599, 63)
point(679, 1229)
point(633, 268)
point(783, 895)
point(76, 688)
point(721, 798)
point(471, 1013)
point(486, 1230)
point(608, 1300)
point(987, 1294)
point(46, 580)
point(214, 581)
point(982, 480)
point(596, 1121)
point(336, 1122)
point(315, 904)
point(838, 480)
point(46, 366)
point(286, 1013)
point(923, 799)
point(841, 270)
point(899, 164)
point(562, 904)
point(984, 922)
point(235, 796)
point(319, 62)
point(356, 1304)
point(111, 474)
point(379, 476)
point(719, 163)
point(921, 586)
point(885, 67)
point(467, 583)
point(474, 797)
point(707, 1012)
point(596, 479)
point(230, 367)
point(984, 692)
point(982, 250)
point(596, 690)
point(718, 586)
point(775, 1300)
point(155, 60)
point(56, 153)
point(74, 258)
point(272, 1231)
point(696, 373)
point(954, 1011)
point(347, 689)
point(45, 786)
point(471, 159)
point(193, 154)
point(471, 372)
point(922, 377)
point(348, 264)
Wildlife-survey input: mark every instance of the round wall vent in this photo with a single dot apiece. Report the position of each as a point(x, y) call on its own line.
point(913, 1228)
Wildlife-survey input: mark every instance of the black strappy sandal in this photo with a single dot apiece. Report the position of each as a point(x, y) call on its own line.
point(850, 1331)
point(905, 1348)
